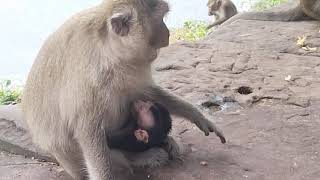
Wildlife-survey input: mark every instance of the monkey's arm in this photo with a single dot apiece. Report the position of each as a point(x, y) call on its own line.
point(219, 21)
point(115, 138)
point(179, 107)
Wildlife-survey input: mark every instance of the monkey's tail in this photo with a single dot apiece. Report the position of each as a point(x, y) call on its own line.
point(294, 14)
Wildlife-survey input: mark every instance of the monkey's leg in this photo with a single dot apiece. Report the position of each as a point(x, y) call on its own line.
point(179, 107)
point(72, 162)
point(119, 161)
point(152, 158)
point(216, 16)
point(96, 153)
point(172, 148)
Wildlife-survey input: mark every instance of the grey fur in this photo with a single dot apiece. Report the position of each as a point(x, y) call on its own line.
point(304, 10)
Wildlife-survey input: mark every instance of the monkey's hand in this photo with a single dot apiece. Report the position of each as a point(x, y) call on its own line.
point(207, 126)
point(142, 135)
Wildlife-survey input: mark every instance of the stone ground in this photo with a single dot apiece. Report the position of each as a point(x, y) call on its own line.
point(252, 79)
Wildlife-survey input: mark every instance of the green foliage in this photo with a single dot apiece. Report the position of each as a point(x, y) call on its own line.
point(191, 31)
point(8, 93)
point(266, 4)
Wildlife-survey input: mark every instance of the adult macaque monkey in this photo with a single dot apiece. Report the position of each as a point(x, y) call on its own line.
point(304, 10)
point(85, 77)
point(222, 10)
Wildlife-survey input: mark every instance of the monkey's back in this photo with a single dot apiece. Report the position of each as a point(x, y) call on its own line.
point(53, 82)
point(311, 8)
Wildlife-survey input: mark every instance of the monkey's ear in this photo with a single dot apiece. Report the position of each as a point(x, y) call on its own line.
point(219, 3)
point(120, 23)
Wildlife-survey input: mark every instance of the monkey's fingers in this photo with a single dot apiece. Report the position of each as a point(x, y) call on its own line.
point(179, 159)
point(212, 128)
point(221, 136)
point(218, 132)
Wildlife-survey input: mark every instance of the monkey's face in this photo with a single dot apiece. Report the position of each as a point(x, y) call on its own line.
point(137, 29)
point(160, 35)
point(145, 118)
point(213, 6)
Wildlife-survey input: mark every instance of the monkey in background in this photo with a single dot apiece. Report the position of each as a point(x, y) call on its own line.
point(87, 74)
point(148, 126)
point(304, 10)
point(222, 10)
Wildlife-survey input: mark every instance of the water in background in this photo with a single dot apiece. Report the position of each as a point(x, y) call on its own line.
point(25, 24)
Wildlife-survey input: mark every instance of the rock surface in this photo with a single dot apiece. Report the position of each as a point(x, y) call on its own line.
point(13, 167)
point(267, 87)
point(14, 137)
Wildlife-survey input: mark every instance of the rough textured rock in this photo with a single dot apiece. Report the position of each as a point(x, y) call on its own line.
point(14, 137)
point(268, 89)
point(20, 168)
point(255, 54)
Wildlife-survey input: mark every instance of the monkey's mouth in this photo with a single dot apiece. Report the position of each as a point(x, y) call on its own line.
point(210, 13)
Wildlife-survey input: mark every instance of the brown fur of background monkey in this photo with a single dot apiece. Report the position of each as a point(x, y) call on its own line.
point(86, 75)
point(304, 10)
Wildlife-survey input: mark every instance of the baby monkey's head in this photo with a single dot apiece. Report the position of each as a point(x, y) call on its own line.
point(153, 122)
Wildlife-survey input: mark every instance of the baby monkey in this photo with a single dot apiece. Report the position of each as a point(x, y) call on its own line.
point(148, 126)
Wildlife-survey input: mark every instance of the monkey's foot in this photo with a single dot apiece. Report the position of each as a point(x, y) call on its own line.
point(151, 158)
